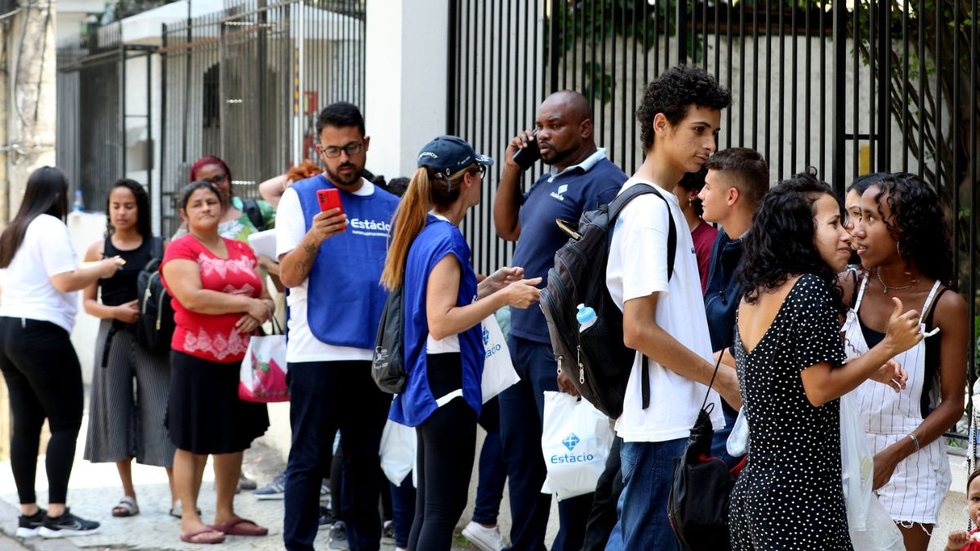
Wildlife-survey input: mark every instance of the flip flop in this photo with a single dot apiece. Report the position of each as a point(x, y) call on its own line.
point(237, 527)
point(198, 536)
point(126, 507)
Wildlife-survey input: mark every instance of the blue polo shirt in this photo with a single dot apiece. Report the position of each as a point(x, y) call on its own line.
point(565, 196)
point(437, 240)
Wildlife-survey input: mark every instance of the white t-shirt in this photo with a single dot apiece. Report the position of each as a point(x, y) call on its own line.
point(637, 268)
point(26, 283)
point(302, 345)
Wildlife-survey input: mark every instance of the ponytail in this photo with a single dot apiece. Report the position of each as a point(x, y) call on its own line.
point(425, 190)
point(406, 225)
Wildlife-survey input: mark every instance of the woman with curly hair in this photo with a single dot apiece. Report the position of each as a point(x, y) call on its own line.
point(904, 244)
point(790, 362)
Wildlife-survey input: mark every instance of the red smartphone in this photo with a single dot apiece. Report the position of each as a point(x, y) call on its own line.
point(329, 199)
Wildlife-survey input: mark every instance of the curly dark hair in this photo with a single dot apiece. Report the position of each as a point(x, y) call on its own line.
point(673, 92)
point(780, 243)
point(918, 224)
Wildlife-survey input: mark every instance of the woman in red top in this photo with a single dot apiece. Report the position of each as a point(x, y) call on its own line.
point(218, 302)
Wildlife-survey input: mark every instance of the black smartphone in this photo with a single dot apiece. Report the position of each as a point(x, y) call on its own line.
point(526, 156)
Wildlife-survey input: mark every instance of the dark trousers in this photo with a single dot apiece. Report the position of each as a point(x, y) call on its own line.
point(44, 380)
point(446, 442)
point(602, 517)
point(403, 510)
point(521, 411)
point(493, 468)
point(326, 397)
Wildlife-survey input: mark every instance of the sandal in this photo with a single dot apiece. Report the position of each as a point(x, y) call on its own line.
point(177, 510)
point(126, 507)
point(199, 536)
point(239, 526)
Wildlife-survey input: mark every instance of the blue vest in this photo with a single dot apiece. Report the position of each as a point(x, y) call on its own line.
point(437, 240)
point(344, 296)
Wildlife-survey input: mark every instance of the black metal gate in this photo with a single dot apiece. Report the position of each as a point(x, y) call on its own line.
point(847, 87)
point(92, 112)
point(246, 83)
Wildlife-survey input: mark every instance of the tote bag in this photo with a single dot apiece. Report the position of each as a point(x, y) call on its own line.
point(263, 373)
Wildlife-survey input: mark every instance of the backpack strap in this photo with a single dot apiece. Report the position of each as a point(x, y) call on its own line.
point(615, 207)
point(251, 209)
point(624, 198)
point(156, 245)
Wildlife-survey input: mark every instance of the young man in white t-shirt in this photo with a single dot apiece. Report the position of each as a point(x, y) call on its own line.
point(663, 317)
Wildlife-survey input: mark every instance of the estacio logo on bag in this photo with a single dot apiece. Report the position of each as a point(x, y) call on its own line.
point(490, 351)
point(570, 442)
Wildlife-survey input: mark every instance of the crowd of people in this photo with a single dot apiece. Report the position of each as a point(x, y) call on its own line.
point(807, 300)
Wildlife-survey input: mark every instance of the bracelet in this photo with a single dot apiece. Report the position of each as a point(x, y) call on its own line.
point(915, 440)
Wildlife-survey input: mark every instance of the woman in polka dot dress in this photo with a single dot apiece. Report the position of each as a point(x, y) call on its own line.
point(789, 356)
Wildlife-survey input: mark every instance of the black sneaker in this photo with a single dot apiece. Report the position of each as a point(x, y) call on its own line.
point(28, 527)
point(67, 525)
point(325, 519)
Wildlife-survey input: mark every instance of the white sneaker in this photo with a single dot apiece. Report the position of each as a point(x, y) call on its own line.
point(485, 539)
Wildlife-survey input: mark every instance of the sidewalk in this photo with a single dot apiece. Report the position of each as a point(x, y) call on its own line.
point(95, 489)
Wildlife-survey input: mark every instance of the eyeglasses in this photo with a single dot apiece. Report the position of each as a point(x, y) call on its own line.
point(479, 169)
point(332, 151)
point(216, 179)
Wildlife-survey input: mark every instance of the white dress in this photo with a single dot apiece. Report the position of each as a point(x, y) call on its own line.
point(919, 484)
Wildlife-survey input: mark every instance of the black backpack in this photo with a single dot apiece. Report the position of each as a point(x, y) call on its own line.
point(155, 325)
point(388, 363)
point(596, 359)
point(251, 209)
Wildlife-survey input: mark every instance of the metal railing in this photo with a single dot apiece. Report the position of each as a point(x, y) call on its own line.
point(246, 84)
point(847, 87)
point(92, 111)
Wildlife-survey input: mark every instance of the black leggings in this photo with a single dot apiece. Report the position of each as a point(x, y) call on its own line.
point(446, 444)
point(45, 381)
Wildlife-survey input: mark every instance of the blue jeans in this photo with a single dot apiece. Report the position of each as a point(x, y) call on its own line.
point(648, 471)
point(521, 411)
point(493, 469)
point(326, 397)
point(402, 510)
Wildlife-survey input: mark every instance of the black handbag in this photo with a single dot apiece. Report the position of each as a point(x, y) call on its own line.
point(701, 491)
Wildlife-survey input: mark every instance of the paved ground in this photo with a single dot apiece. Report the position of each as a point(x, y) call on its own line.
point(95, 489)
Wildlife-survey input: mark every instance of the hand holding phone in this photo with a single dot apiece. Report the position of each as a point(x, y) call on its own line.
point(527, 155)
point(329, 199)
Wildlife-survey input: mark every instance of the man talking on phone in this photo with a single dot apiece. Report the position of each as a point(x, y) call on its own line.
point(581, 178)
point(331, 257)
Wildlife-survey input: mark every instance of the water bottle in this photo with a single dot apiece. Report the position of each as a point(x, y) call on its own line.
point(79, 205)
point(586, 317)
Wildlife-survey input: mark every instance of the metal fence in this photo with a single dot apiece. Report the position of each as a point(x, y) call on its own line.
point(92, 111)
point(246, 83)
point(846, 87)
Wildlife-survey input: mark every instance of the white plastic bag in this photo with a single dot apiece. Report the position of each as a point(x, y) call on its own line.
point(398, 444)
point(575, 442)
point(737, 444)
point(869, 524)
point(498, 370)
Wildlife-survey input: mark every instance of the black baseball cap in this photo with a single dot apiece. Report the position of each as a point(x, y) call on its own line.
point(447, 155)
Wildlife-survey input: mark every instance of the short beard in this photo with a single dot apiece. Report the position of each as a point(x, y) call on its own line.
point(337, 180)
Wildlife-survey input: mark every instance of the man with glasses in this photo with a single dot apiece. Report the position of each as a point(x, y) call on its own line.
point(331, 261)
point(581, 179)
